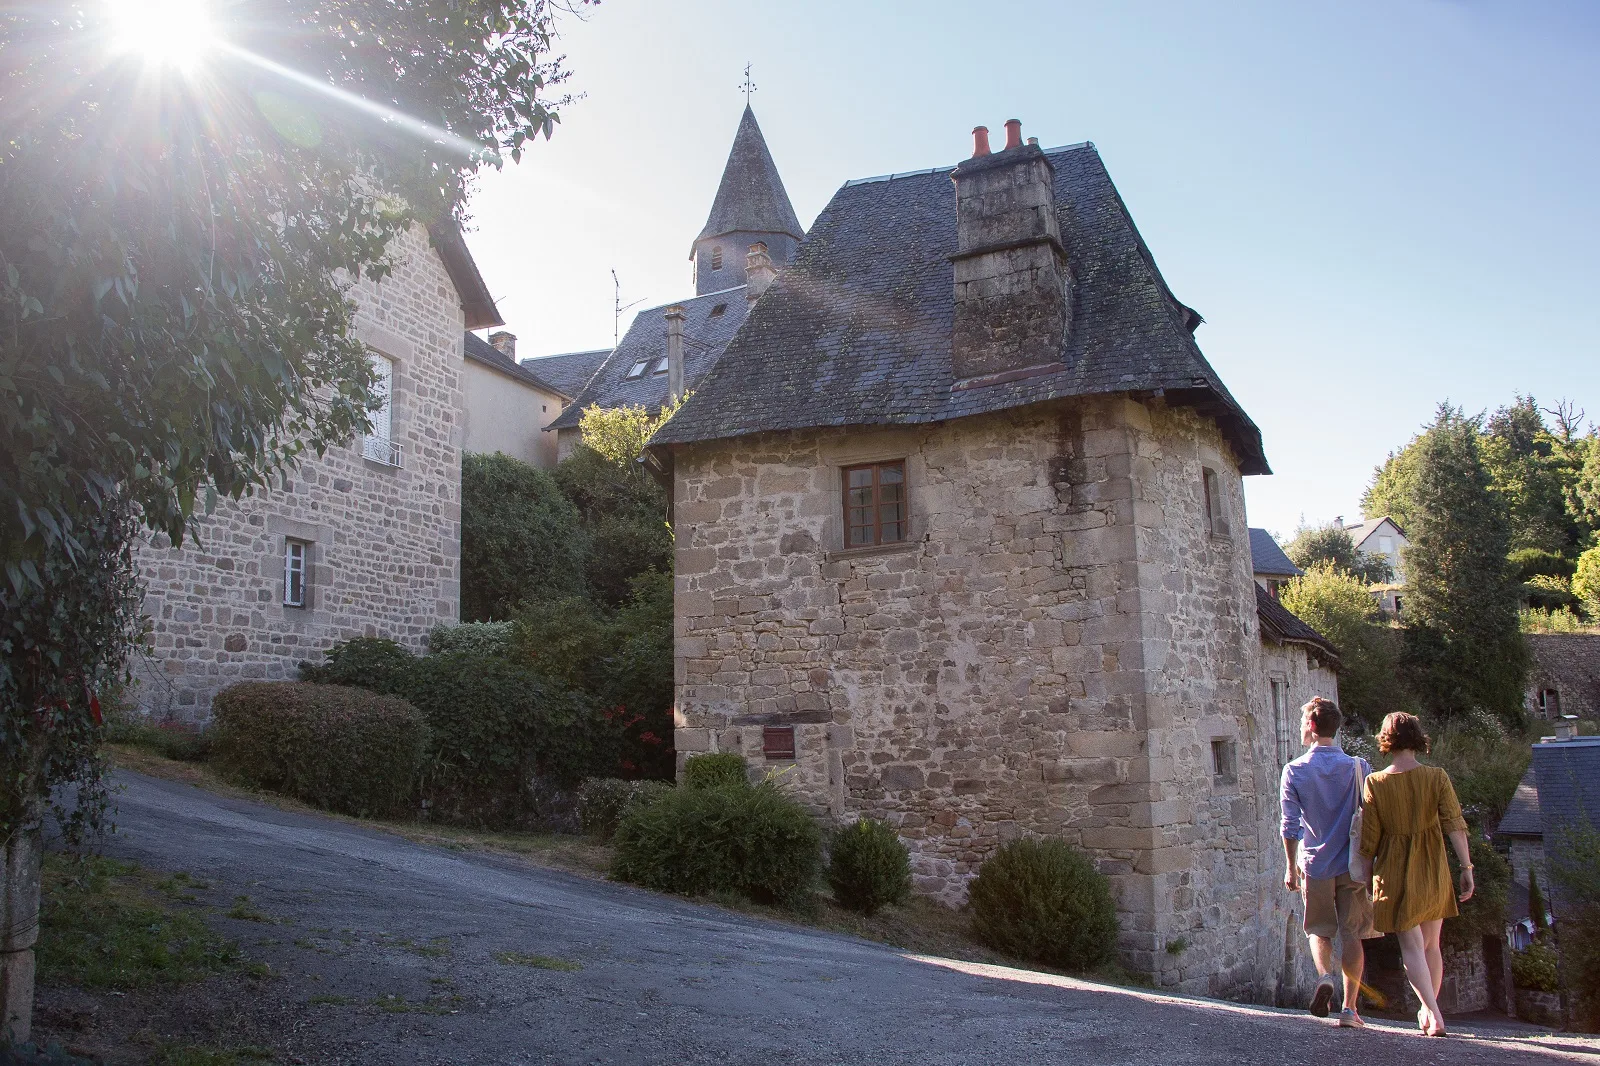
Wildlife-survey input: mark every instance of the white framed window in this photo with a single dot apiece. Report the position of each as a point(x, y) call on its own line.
point(379, 445)
point(1282, 725)
point(296, 569)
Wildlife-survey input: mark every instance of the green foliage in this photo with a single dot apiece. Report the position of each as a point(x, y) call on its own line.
point(339, 748)
point(1534, 968)
point(1393, 488)
point(479, 638)
point(1338, 606)
point(1464, 650)
point(104, 925)
point(1529, 563)
point(602, 801)
point(1531, 468)
point(749, 840)
point(620, 433)
point(1580, 963)
point(1538, 910)
point(520, 538)
point(168, 739)
point(1043, 901)
point(1485, 913)
point(1332, 547)
point(1539, 620)
point(868, 866)
point(1583, 495)
point(1586, 582)
point(1485, 764)
point(365, 662)
point(624, 513)
point(715, 770)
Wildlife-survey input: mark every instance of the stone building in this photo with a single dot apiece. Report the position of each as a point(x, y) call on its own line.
point(364, 541)
point(749, 236)
point(1564, 677)
point(1272, 568)
point(507, 403)
point(961, 542)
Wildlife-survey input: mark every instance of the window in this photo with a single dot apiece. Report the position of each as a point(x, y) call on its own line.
point(1216, 520)
point(1281, 722)
point(661, 366)
point(1224, 770)
point(1386, 545)
point(379, 445)
point(637, 370)
point(296, 557)
point(716, 257)
point(1549, 703)
point(874, 504)
point(719, 310)
point(777, 743)
point(1397, 606)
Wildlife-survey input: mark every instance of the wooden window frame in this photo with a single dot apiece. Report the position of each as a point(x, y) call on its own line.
point(778, 743)
point(296, 568)
point(877, 504)
point(716, 257)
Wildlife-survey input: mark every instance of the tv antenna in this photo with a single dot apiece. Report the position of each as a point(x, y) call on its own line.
point(748, 86)
point(619, 307)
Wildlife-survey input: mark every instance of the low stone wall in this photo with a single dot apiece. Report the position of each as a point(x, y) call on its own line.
point(1466, 981)
point(1540, 1008)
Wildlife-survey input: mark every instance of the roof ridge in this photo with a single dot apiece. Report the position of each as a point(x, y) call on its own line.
point(941, 170)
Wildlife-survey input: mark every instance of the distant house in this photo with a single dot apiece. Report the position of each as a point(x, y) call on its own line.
point(1383, 537)
point(507, 404)
point(1565, 675)
point(1272, 568)
point(750, 235)
point(1559, 794)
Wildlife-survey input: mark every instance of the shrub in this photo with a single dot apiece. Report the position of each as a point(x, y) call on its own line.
point(715, 770)
point(624, 514)
point(1485, 913)
point(751, 840)
point(366, 662)
point(166, 738)
point(481, 638)
point(340, 748)
point(868, 867)
point(1534, 968)
point(520, 537)
point(1043, 901)
point(602, 801)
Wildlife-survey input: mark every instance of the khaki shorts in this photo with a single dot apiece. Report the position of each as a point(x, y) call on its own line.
point(1337, 905)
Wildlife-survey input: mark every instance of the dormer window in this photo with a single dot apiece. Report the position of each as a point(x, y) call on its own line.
point(716, 257)
point(719, 310)
point(637, 370)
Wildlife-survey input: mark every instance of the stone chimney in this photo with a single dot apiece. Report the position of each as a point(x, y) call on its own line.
point(504, 343)
point(1566, 727)
point(1013, 285)
point(675, 316)
point(758, 271)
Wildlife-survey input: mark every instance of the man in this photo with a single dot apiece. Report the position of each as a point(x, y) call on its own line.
point(1321, 795)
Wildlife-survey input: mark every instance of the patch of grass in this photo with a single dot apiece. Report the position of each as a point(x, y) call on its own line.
point(1178, 945)
point(539, 962)
point(436, 948)
point(244, 912)
point(197, 1055)
point(106, 924)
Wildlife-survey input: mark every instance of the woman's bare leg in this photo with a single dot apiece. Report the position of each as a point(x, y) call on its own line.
point(1430, 940)
point(1414, 952)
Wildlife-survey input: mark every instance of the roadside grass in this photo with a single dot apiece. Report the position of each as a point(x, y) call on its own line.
point(109, 924)
point(538, 962)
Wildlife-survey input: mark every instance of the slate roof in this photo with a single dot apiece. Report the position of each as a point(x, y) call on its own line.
point(1360, 532)
point(706, 332)
point(569, 371)
point(479, 350)
point(1282, 625)
point(1522, 815)
point(1267, 558)
point(857, 330)
point(1569, 784)
point(751, 197)
point(476, 302)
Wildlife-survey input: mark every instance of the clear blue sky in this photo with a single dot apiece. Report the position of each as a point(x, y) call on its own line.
point(1376, 207)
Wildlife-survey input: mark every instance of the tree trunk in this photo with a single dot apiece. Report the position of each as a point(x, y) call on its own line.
point(19, 931)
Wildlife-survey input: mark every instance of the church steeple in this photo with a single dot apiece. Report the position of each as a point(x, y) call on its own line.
point(751, 206)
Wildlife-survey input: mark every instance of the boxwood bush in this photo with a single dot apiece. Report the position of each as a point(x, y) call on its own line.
point(751, 840)
point(715, 770)
point(602, 801)
point(340, 748)
point(868, 866)
point(1043, 901)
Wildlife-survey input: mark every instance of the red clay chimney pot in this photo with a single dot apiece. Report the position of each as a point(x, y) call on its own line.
point(1013, 133)
point(980, 141)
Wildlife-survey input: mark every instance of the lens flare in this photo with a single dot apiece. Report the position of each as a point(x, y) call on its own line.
point(175, 33)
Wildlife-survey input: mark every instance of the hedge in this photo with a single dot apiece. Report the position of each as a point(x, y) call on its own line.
point(868, 866)
point(1043, 901)
point(339, 748)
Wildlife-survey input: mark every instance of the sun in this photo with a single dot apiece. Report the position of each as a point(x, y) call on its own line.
point(177, 33)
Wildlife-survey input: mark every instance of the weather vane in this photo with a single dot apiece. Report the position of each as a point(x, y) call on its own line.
point(749, 86)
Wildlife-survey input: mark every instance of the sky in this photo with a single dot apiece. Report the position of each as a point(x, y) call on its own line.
point(1376, 207)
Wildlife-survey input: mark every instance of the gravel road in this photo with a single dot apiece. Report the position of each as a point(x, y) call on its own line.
point(392, 952)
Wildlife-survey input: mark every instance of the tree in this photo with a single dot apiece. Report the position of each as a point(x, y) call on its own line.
point(1338, 606)
point(1531, 468)
point(1583, 495)
point(1586, 582)
point(1332, 545)
point(1393, 488)
point(620, 433)
point(175, 256)
point(521, 539)
point(1464, 652)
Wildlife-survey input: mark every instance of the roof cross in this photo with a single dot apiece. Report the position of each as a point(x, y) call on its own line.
point(748, 86)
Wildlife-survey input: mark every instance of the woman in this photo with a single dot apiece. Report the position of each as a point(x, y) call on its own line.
point(1407, 811)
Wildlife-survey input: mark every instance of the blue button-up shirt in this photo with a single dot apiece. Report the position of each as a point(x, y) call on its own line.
point(1319, 799)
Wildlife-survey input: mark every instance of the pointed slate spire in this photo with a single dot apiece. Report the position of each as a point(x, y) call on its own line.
point(751, 205)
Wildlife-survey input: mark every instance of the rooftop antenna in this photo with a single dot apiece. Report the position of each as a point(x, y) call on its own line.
point(748, 86)
point(619, 307)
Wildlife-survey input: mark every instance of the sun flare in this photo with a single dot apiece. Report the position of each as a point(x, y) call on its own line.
point(175, 33)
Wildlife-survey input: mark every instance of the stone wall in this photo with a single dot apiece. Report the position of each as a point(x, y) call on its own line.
point(385, 541)
point(1053, 652)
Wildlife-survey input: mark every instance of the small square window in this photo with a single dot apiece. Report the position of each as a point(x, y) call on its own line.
point(777, 743)
point(296, 570)
point(875, 509)
point(1224, 765)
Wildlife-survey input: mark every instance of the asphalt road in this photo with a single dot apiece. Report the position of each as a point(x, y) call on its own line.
point(393, 953)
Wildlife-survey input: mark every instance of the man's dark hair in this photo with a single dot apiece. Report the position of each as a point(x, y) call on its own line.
point(1325, 716)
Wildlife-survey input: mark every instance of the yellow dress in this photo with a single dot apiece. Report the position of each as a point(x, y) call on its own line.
point(1404, 820)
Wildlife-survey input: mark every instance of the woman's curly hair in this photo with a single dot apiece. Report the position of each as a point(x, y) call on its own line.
point(1402, 732)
